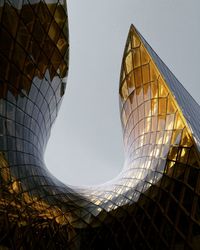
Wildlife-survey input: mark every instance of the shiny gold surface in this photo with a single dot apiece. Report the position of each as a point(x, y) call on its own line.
point(41, 34)
point(152, 204)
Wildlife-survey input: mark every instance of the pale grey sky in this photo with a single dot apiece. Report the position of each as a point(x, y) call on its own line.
point(86, 141)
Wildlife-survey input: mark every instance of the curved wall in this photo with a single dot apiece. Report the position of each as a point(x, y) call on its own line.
point(152, 204)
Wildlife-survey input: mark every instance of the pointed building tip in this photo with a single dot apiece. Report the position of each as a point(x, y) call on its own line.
point(132, 26)
point(133, 29)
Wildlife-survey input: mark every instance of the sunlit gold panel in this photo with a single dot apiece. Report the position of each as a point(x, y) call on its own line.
point(129, 63)
point(159, 143)
point(155, 101)
point(152, 204)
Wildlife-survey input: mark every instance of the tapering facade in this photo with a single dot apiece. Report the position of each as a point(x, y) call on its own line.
point(154, 203)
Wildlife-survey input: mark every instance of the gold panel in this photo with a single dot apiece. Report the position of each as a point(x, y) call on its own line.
point(152, 204)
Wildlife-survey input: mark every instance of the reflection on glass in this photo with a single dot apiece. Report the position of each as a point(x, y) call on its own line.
point(151, 204)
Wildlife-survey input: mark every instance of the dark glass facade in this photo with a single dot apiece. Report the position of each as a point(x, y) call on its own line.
point(154, 203)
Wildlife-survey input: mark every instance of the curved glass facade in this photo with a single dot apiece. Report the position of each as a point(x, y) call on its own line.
point(152, 204)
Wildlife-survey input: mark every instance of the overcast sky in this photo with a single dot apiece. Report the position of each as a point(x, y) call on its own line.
point(86, 146)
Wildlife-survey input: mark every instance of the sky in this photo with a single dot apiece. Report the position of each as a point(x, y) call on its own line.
point(86, 147)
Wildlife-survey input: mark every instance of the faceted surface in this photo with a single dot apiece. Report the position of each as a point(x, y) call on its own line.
point(152, 204)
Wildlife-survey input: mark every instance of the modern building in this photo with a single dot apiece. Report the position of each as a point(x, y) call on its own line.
point(154, 203)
